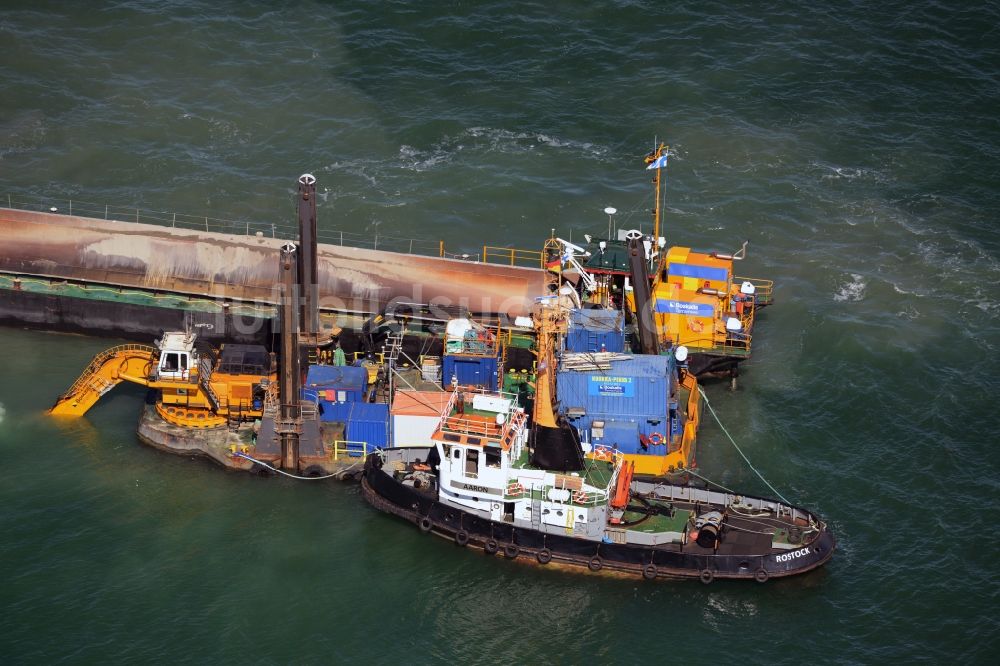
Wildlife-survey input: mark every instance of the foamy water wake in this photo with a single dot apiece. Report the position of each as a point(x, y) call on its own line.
point(851, 291)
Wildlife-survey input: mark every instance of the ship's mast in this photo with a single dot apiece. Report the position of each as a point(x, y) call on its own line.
point(657, 182)
point(546, 329)
point(307, 273)
point(289, 424)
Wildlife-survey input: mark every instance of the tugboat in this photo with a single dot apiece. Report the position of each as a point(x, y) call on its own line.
point(482, 486)
point(493, 482)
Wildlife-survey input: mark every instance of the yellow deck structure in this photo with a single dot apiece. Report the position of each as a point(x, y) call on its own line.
point(680, 455)
point(698, 302)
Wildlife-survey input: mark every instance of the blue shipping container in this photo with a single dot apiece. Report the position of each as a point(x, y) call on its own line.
point(470, 370)
point(595, 331)
point(335, 411)
point(363, 422)
point(631, 399)
point(335, 383)
point(369, 422)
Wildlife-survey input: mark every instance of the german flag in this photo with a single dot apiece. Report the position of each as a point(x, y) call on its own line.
point(554, 264)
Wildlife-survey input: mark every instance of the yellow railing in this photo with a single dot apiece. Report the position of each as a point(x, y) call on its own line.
point(343, 448)
point(693, 418)
point(763, 289)
point(512, 256)
point(715, 346)
point(380, 356)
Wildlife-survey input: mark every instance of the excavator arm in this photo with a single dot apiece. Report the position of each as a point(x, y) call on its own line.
point(111, 367)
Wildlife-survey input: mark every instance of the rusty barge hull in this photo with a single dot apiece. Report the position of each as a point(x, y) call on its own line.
point(123, 278)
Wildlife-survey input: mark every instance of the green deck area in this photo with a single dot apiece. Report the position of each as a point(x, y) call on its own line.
point(614, 257)
point(489, 416)
point(597, 473)
point(99, 292)
point(659, 523)
point(522, 341)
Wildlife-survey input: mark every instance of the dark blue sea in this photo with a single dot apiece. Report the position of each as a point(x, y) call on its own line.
point(856, 145)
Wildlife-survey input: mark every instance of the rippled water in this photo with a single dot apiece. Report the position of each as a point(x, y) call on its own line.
point(855, 145)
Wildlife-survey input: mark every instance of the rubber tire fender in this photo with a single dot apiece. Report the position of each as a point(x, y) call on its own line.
point(649, 572)
point(544, 556)
point(314, 472)
point(510, 551)
point(462, 538)
point(595, 564)
point(491, 546)
point(425, 524)
point(706, 576)
point(761, 575)
point(262, 472)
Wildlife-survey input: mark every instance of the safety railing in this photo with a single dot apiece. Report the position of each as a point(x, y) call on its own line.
point(589, 497)
point(479, 341)
point(280, 230)
point(460, 424)
point(512, 256)
point(735, 343)
point(361, 355)
point(461, 256)
point(693, 421)
point(763, 289)
point(344, 449)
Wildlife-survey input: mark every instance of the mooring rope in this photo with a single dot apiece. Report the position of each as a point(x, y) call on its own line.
point(295, 476)
point(737, 447)
point(709, 481)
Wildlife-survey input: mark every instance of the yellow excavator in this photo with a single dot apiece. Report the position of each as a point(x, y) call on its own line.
point(197, 388)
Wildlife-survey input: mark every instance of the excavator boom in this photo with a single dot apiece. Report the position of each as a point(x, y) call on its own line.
point(108, 369)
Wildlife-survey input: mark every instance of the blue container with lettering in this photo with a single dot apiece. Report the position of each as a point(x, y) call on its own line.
point(627, 403)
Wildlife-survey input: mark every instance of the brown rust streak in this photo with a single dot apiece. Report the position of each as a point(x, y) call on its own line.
point(185, 261)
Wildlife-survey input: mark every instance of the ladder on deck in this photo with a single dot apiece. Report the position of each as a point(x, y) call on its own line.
point(501, 366)
point(234, 417)
point(393, 350)
point(394, 343)
point(204, 381)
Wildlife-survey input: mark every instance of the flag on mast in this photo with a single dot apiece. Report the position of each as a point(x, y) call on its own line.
point(659, 163)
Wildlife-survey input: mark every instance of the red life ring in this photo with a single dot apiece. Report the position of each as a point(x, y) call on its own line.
point(655, 439)
point(580, 497)
point(602, 453)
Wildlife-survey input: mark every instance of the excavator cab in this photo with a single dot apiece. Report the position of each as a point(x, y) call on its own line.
point(177, 357)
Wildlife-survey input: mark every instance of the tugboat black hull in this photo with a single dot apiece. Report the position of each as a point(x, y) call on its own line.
point(422, 509)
